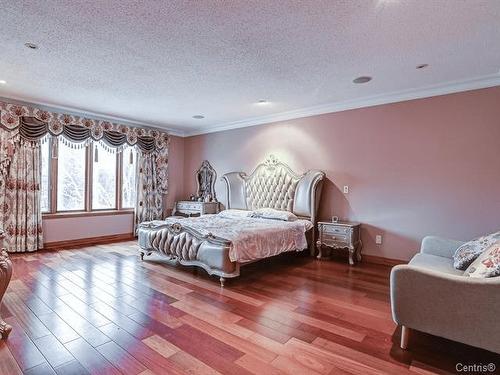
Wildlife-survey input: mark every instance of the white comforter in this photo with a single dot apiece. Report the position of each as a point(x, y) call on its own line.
point(251, 238)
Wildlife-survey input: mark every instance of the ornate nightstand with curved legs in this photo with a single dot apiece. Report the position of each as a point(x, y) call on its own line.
point(340, 235)
point(5, 275)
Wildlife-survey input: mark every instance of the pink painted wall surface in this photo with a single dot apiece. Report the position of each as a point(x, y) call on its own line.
point(414, 168)
point(86, 227)
point(55, 230)
point(175, 173)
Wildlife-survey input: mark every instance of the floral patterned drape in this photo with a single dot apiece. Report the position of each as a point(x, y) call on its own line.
point(21, 216)
point(149, 198)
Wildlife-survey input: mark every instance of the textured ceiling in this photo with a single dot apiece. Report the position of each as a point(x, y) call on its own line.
point(161, 62)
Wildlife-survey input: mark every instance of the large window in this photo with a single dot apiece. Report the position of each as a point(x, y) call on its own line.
point(45, 181)
point(71, 178)
point(80, 178)
point(103, 179)
point(128, 181)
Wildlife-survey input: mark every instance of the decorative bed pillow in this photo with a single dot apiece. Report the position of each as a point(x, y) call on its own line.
point(487, 264)
point(271, 213)
point(469, 251)
point(234, 214)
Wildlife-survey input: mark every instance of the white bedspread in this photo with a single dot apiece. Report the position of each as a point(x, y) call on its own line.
point(251, 238)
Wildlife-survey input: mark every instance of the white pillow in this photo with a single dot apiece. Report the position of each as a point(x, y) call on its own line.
point(271, 213)
point(487, 264)
point(234, 214)
point(469, 251)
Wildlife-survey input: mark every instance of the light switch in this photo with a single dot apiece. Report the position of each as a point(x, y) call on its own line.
point(378, 239)
point(346, 189)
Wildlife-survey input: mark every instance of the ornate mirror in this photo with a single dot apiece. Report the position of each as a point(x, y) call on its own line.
point(205, 179)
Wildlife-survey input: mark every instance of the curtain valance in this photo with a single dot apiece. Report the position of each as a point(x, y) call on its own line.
point(34, 123)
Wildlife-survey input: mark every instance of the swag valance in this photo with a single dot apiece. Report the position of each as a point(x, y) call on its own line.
point(34, 123)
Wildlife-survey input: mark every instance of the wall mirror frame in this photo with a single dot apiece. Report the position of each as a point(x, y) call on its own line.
point(206, 176)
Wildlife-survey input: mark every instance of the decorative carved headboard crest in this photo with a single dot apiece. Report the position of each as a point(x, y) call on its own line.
point(271, 161)
point(273, 184)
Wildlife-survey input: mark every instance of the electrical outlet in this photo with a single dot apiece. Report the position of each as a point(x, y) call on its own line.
point(346, 189)
point(378, 239)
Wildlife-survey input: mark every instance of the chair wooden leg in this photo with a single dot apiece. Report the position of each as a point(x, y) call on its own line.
point(405, 333)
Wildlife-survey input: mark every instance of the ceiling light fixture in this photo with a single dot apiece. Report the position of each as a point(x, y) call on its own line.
point(31, 45)
point(421, 66)
point(262, 101)
point(2, 82)
point(362, 79)
point(198, 117)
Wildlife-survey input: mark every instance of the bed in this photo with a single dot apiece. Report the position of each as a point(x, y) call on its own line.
point(269, 212)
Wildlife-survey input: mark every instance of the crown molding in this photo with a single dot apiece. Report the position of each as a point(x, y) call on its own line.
point(370, 101)
point(90, 114)
point(394, 97)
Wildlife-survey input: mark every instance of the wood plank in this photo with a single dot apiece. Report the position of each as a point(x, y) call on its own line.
point(90, 358)
point(22, 347)
point(100, 309)
point(162, 346)
point(33, 327)
point(43, 369)
point(8, 364)
point(235, 341)
point(143, 353)
point(55, 352)
point(256, 366)
point(71, 368)
point(121, 359)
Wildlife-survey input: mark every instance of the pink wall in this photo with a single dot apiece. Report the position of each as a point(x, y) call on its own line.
point(175, 173)
point(427, 166)
point(56, 230)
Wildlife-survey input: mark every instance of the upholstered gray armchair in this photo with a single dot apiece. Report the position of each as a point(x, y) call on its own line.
point(431, 296)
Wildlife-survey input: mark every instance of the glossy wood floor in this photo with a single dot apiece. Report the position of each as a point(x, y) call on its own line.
point(101, 310)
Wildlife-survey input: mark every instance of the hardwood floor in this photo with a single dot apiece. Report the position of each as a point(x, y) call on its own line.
point(101, 310)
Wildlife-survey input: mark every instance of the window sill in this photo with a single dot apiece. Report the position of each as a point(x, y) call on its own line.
point(66, 215)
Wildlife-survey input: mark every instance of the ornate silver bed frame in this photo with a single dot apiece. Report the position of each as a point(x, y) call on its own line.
point(271, 185)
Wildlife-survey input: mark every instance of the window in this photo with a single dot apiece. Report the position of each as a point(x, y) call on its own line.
point(71, 178)
point(103, 179)
point(45, 181)
point(129, 162)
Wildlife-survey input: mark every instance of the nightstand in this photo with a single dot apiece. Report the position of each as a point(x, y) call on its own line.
point(340, 235)
point(191, 208)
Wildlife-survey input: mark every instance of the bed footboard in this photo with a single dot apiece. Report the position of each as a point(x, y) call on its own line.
point(186, 246)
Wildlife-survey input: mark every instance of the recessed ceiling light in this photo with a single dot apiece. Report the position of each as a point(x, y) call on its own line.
point(421, 66)
point(198, 117)
point(362, 79)
point(2, 82)
point(31, 45)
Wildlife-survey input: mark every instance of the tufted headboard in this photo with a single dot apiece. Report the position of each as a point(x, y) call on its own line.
point(274, 185)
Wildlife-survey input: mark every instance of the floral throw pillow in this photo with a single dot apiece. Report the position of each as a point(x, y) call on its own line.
point(469, 251)
point(487, 264)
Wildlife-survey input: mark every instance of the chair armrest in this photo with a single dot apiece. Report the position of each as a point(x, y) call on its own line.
point(439, 246)
point(456, 307)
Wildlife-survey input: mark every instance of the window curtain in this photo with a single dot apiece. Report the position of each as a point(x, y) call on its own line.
point(149, 198)
point(21, 215)
point(20, 165)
